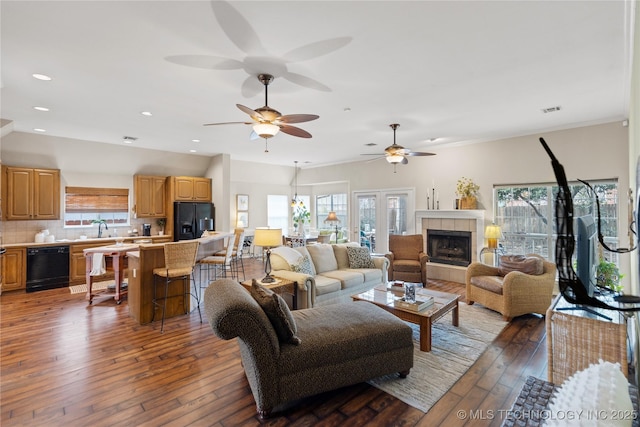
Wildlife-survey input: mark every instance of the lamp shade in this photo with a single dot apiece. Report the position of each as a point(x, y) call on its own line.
point(266, 130)
point(268, 237)
point(492, 233)
point(332, 217)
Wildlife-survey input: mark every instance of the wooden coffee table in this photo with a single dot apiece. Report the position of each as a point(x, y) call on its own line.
point(443, 303)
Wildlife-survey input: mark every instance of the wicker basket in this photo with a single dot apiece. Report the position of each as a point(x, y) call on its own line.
point(468, 203)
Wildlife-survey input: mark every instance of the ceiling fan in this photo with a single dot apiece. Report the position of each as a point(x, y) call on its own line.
point(267, 122)
point(397, 153)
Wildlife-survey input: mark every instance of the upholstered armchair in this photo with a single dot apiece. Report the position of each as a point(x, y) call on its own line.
point(407, 260)
point(510, 289)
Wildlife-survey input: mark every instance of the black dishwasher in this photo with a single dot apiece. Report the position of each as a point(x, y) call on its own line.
point(47, 268)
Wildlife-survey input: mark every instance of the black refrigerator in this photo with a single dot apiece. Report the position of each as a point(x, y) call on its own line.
point(191, 219)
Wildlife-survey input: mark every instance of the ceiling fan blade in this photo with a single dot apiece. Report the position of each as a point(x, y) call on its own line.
point(372, 154)
point(253, 113)
point(418, 153)
point(294, 131)
point(228, 123)
point(237, 28)
point(206, 62)
point(314, 50)
point(297, 118)
point(404, 161)
point(305, 81)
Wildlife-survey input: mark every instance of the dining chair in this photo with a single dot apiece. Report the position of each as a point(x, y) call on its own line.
point(179, 261)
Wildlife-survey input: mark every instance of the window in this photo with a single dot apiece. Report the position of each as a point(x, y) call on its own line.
point(527, 217)
point(331, 202)
point(278, 212)
point(85, 205)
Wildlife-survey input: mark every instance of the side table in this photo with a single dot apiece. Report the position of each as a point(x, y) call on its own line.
point(281, 287)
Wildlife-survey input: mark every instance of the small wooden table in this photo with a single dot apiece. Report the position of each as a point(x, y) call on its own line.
point(281, 286)
point(443, 303)
point(117, 253)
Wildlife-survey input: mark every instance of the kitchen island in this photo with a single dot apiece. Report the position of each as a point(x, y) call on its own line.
point(140, 288)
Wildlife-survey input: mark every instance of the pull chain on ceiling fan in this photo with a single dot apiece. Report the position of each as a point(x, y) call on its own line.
point(267, 122)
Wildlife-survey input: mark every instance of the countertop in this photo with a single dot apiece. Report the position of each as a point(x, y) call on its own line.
point(107, 240)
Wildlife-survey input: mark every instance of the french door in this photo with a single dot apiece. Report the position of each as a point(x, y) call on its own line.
point(379, 213)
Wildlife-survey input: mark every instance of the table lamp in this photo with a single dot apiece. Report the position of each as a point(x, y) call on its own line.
point(492, 233)
point(332, 218)
point(268, 238)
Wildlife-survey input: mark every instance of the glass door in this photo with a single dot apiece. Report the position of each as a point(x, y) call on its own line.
point(381, 213)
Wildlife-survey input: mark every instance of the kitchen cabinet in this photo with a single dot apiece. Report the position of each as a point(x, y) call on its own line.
point(29, 193)
point(14, 269)
point(150, 196)
point(189, 188)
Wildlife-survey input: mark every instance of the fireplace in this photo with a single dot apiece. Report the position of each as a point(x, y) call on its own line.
point(449, 247)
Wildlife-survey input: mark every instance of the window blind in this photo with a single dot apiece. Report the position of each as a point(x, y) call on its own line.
point(96, 200)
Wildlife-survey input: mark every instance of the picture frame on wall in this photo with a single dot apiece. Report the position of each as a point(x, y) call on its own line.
point(242, 202)
point(242, 220)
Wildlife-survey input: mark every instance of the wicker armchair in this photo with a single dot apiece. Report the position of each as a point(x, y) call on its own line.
point(514, 294)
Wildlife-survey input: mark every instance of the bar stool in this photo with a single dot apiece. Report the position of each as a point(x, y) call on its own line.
point(236, 254)
point(217, 261)
point(179, 261)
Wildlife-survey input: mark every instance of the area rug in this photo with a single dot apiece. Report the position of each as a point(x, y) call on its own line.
point(453, 351)
point(96, 286)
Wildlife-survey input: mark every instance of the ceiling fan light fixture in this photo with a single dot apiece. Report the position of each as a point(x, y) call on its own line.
point(266, 130)
point(395, 158)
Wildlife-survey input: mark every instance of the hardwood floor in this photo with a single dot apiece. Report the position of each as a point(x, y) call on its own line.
point(64, 362)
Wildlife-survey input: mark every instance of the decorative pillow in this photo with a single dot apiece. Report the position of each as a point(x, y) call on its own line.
point(304, 266)
point(596, 396)
point(277, 311)
point(284, 257)
point(528, 265)
point(323, 258)
point(359, 257)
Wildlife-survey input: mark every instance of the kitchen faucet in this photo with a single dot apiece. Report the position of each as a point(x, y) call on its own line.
point(106, 227)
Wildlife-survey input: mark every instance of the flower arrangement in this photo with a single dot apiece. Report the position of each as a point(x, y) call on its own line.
point(467, 188)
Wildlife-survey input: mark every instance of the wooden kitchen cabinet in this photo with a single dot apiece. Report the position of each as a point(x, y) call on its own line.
point(29, 193)
point(14, 269)
point(150, 196)
point(191, 189)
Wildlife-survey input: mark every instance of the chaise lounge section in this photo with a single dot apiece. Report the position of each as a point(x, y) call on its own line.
point(326, 347)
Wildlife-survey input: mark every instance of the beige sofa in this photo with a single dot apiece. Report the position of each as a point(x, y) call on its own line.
point(331, 278)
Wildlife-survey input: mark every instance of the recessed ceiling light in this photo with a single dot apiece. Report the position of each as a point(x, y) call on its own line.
point(41, 77)
point(432, 139)
point(195, 140)
point(41, 108)
point(39, 130)
point(128, 139)
point(192, 151)
point(146, 113)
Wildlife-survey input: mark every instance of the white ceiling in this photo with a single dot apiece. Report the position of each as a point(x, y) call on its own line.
point(457, 71)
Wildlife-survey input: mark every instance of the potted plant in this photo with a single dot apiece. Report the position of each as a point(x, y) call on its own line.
point(300, 215)
point(467, 190)
point(608, 276)
point(161, 223)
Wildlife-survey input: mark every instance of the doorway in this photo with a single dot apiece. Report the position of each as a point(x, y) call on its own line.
point(380, 213)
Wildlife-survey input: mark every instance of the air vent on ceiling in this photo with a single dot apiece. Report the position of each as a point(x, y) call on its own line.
point(370, 144)
point(129, 139)
point(551, 109)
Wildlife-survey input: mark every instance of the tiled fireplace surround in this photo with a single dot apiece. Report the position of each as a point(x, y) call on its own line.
point(454, 220)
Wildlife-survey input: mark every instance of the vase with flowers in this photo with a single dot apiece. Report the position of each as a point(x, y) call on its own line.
point(467, 190)
point(300, 215)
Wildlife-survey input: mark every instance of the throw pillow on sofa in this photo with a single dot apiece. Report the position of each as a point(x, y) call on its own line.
point(527, 265)
point(304, 265)
point(359, 257)
point(277, 311)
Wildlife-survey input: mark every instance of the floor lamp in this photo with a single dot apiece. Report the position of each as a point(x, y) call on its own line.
point(332, 218)
point(268, 238)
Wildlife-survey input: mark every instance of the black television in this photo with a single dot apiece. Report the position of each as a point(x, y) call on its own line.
point(587, 252)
